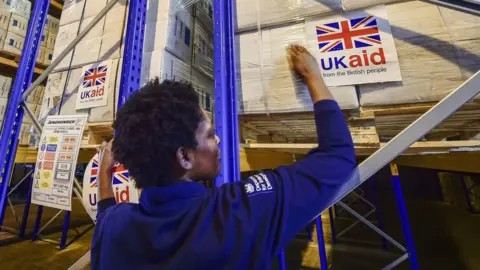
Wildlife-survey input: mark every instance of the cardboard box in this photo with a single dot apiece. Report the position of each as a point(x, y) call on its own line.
point(88, 50)
point(5, 86)
point(50, 40)
point(53, 24)
point(204, 86)
point(165, 66)
point(25, 134)
point(4, 19)
point(19, 7)
point(69, 96)
point(43, 42)
point(52, 97)
point(113, 38)
point(3, 107)
point(72, 11)
point(3, 36)
point(427, 57)
point(161, 10)
point(18, 25)
point(107, 113)
point(278, 12)
point(265, 82)
point(14, 43)
point(48, 57)
point(175, 35)
point(93, 7)
point(203, 11)
point(66, 34)
point(40, 90)
point(26, 118)
point(41, 55)
point(203, 49)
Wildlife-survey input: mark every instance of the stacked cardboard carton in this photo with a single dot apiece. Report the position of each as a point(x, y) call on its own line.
point(103, 44)
point(14, 17)
point(45, 53)
point(179, 45)
point(265, 83)
point(438, 49)
point(171, 32)
point(33, 102)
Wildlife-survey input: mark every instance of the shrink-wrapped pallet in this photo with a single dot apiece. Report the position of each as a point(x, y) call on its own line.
point(436, 49)
point(265, 83)
point(250, 13)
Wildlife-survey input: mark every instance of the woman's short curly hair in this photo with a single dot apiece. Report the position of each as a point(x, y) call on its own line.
point(154, 122)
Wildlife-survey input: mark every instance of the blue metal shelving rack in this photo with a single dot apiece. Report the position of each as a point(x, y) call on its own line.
point(226, 117)
point(15, 111)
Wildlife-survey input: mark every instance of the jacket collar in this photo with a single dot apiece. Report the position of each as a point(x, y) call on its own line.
point(153, 197)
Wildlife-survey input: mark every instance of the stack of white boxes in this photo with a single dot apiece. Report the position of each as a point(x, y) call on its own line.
point(14, 17)
point(45, 53)
point(265, 83)
point(178, 45)
point(34, 101)
point(5, 86)
point(104, 42)
point(173, 29)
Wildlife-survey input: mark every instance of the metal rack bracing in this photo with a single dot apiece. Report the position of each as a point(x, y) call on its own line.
point(226, 115)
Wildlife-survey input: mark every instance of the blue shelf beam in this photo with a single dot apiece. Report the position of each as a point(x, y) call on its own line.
point(226, 115)
point(133, 52)
point(14, 112)
point(402, 211)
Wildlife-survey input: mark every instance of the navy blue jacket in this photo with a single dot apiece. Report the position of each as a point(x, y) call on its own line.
point(242, 225)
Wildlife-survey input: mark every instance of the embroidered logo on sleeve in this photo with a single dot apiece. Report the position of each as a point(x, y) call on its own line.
point(258, 184)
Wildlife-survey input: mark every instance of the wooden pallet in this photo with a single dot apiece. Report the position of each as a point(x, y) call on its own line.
point(12, 61)
point(368, 125)
point(96, 133)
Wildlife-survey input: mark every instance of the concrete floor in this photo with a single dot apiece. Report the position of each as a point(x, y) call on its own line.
point(446, 237)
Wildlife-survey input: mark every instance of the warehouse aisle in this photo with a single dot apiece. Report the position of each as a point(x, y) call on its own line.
point(446, 237)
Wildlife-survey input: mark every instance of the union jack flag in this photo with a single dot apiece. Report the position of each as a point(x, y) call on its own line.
point(120, 174)
point(95, 76)
point(94, 173)
point(348, 34)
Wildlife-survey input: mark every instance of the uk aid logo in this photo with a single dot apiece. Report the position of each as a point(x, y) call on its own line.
point(120, 183)
point(94, 79)
point(357, 33)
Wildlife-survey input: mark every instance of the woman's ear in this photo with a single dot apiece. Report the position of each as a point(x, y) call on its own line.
point(185, 158)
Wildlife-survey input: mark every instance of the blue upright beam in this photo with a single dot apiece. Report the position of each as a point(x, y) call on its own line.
point(321, 244)
point(226, 116)
point(14, 113)
point(402, 211)
point(133, 52)
point(66, 225)
point(26, 209)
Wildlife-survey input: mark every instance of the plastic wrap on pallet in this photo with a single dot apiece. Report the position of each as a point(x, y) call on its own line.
point(19, 7)
point(165, 66)
point(203, 11)
point(465, 38)
point(107, 113)
point(274, 12)
point(203, 48)
point(72, 11)
point(4, 19)
point(427, 54)
point(265, 83)
point(203, 85)
point(5, 86)
point(173, 32)
point(358, 4)
point(52, 97)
